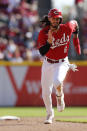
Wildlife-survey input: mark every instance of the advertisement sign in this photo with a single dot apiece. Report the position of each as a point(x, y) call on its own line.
point(21, 86)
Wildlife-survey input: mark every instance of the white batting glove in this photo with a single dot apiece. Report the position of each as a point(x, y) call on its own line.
point(73, 67)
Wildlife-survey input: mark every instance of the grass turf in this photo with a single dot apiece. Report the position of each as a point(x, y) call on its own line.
point(40, 111)
point(74, 120)
point(70, 114)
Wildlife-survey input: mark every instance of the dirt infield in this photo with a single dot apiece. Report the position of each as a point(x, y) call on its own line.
point(36, 124)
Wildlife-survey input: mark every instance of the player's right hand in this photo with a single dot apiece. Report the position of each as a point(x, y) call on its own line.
point(50, 37)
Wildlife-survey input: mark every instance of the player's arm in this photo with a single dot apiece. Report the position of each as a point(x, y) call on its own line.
point(45, 48)
point(73, 26)
point(76, 41)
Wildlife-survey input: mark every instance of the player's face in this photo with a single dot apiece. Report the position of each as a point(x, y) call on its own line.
point(54, 22)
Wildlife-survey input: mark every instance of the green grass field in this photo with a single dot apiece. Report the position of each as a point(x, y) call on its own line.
point(71, 114)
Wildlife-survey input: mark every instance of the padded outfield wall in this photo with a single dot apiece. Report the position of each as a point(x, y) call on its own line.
point(20, 85)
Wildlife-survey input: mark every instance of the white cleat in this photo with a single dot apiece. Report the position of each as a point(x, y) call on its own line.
point(49, 118)
point(60, 102)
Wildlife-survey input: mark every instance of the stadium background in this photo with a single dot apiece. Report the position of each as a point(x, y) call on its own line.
point(20, 66)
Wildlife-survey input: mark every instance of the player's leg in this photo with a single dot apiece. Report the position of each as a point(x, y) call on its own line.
point(60, 72)
point(46, 82)
point(60, 98)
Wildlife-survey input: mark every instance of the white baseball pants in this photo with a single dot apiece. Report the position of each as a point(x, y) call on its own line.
point(52, 76)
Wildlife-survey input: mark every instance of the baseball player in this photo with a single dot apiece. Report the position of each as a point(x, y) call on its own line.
point(53, 44)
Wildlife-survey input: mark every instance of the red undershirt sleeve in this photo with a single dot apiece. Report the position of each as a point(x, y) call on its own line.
point(76, 43)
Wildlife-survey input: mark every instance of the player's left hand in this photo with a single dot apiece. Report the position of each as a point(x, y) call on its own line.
point(73, 67)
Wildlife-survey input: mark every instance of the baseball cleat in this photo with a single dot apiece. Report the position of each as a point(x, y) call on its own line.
point(60, 102)
point(49, 118)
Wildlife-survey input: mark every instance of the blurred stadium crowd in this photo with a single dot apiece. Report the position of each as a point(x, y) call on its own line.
point(19, 28)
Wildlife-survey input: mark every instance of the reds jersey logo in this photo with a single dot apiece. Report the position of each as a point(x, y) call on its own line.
point(60, 42)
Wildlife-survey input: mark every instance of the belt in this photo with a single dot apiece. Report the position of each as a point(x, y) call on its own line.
point(53, 61)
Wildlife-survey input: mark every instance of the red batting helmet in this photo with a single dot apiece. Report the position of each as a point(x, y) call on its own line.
point(55, 13)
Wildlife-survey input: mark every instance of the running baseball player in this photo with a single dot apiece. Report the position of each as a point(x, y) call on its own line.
point(53, 44)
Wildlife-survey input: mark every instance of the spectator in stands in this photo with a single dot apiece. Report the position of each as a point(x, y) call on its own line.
point(10, 49)
point(13, 4)
point(17, 56)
